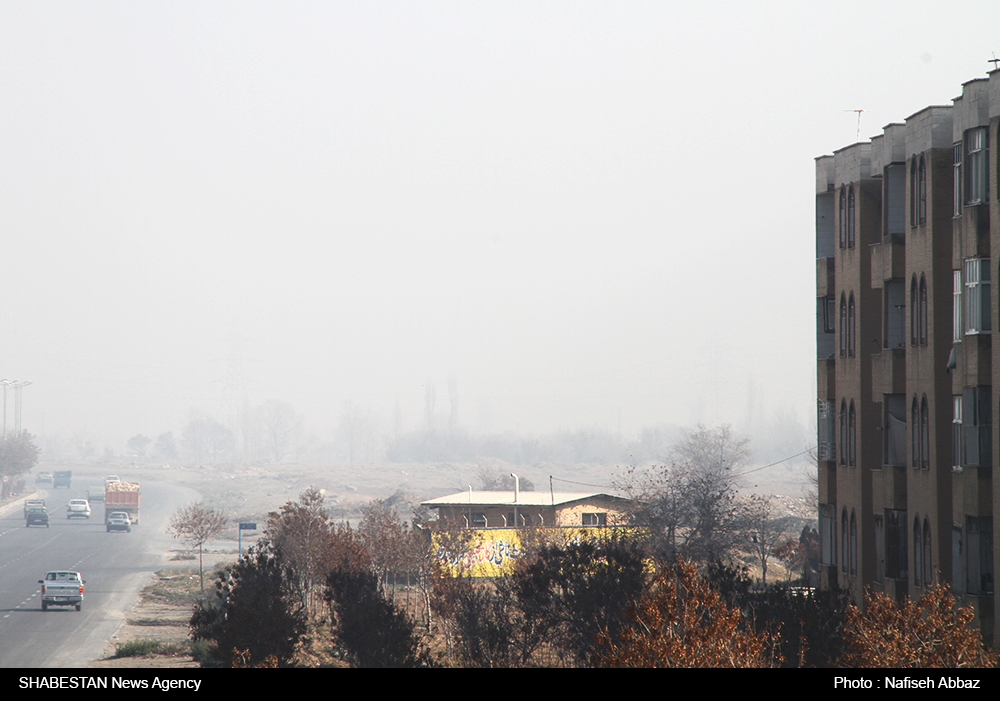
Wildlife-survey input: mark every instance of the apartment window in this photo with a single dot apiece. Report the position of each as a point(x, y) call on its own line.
point(956, 179)
point(598, 519)
point(979, 554)
point(854, 543)
point(913, 192)
point(977, 421)
point(828, 535)
point(918, 552)
point(976, 158)
point(827, 431)
point(851, 328)
point(842, 223)
point(842, 447)
point(928, 568)
point(850, 217)
point(845, 555)
point(957, 580)
point(957, 331)
point(852, 436)
point(914, 311)
point(977, 296)
point(894, 433)
point(925, 433)
point(879, 547)
point(843, 326)
point(895, 544)
point(922, 192)
point(915, 433)
point(922, 315)
point(894, 313)
point(956, 433)
point(829, 307)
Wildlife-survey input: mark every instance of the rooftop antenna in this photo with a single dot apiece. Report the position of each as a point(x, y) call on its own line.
point(993, 60)
point(859, 111)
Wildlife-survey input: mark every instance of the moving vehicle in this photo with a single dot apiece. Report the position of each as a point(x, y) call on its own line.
point(78, 508)
point(111, 478)
point(32, 503)
point(43, 477)
point(118, 521)
point(122, 496)
point(95, 493)
point(36, 516)
point(62, 588)
point(62, 478)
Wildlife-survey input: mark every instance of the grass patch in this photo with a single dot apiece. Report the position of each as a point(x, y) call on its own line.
point(137, 648)
point(156, 622)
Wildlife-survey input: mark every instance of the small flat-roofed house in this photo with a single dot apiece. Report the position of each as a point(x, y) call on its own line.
point(482, 510)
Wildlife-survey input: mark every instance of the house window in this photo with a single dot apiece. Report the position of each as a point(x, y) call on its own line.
point(977, 421)
point(979, 554)
point(977, 296)
point(895, 544)
point(598, 519)
point(957, 331)
point(976, 158)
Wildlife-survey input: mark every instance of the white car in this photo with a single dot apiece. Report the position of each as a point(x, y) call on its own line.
point(78, 508)
point(110, 479)
point(62, 588)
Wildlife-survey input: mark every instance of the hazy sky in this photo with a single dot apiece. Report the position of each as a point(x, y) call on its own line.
point(587, 214)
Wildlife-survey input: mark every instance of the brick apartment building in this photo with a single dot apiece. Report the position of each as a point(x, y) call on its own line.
point(906, 229)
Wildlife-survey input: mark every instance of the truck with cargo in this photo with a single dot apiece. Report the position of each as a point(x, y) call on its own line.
point(62, 478)
point(122, 496)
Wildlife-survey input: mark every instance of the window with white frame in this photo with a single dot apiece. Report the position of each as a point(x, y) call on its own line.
point(956, 433)
point(977, 296)
point(956, 180)
point(976, 158)
point(957, 331)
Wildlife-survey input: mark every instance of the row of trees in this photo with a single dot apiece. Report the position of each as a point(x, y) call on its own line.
point(600, 604)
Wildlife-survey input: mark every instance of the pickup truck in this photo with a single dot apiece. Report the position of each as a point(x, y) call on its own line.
point(62, 588)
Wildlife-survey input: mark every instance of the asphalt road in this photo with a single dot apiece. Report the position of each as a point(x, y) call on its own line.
point(114, 565)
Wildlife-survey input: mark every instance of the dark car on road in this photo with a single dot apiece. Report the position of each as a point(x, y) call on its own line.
point(37, 516)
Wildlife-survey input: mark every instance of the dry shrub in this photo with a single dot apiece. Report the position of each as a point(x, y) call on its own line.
point(932, 632)
point(683, 622)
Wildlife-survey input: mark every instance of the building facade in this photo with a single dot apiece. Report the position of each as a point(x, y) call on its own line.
point(905, 229)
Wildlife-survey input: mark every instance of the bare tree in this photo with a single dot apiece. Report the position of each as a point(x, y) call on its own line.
point(765, 532)
point(281, 427)
point(691, 505)
point(196, 525)
point(300, 534)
